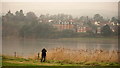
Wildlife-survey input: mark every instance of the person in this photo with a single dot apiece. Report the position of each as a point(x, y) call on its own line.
point(43, 56)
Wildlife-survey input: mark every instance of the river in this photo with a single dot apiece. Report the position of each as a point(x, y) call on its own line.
point(27, 47)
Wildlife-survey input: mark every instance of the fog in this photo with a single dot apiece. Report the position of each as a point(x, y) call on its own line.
point(107, 9)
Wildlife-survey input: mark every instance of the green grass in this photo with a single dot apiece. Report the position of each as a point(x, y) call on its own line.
point(11, 61)
point(17, 64)
point(0, 61)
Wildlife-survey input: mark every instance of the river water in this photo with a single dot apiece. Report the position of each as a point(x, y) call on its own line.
point(27, 47)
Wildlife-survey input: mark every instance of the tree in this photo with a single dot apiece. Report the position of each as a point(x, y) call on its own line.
point(40, 30)
point(98, 18)
point(113, 19)
point(31, 17)
point(106, 31)
point(9, 16)
point(115, 26)
point(19, 15)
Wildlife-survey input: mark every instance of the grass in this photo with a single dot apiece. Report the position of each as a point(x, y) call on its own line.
point(11, 61)
point(0, 61)
point(68, 57)
point(16, 64)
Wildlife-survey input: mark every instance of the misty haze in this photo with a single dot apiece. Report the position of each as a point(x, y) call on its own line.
point(108, 9)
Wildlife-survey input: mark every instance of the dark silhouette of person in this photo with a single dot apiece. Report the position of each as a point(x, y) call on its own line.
point(43, 56)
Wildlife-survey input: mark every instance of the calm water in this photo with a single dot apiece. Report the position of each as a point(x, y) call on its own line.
point(28, 47)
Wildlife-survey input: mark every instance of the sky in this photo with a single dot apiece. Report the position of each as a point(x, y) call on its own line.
point(59, 0)
point(76, 9)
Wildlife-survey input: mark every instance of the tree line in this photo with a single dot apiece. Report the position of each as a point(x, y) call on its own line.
point(29, 25)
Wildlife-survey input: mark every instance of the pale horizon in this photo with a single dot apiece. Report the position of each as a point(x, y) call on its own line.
point(76, 9)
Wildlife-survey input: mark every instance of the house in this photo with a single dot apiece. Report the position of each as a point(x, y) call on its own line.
point(63, 25)
point(81, 29)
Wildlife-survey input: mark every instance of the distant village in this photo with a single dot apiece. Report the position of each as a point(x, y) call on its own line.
point(81, 25)
point(60, 22)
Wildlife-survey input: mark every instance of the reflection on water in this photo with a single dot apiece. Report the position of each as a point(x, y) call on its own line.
point(27, 47)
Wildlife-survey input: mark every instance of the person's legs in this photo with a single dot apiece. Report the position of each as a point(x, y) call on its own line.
point(44, 58)
point(41, 59)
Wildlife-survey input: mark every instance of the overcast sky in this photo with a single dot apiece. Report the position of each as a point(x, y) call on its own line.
point(106, 9)
point(59, 0)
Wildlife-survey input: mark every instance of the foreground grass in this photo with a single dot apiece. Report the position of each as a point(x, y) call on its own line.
point(0, 61)
point(30, 62)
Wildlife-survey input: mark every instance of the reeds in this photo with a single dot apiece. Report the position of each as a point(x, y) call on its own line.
point(77, 56)
point(83, 55)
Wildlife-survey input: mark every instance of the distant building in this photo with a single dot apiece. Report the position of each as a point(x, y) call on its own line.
point(71, 26)
point(81, 29)
point(98, 30)
point(63, 25)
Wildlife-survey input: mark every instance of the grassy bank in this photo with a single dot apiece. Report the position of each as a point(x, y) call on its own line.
point(11, 61)
point(68, 57)
point(0, 61)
